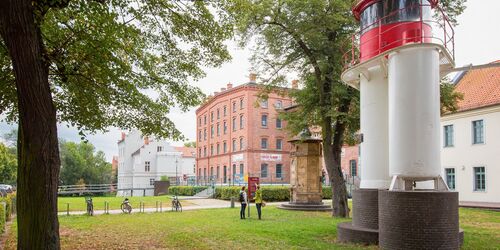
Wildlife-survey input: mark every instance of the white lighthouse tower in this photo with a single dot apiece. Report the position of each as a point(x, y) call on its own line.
point(402, 53)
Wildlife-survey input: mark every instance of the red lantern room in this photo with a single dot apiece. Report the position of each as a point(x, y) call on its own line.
point(388, 24)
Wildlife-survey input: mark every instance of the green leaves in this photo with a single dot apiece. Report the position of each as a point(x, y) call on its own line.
point(79, 161)
point(8, 165)
point(124, 63)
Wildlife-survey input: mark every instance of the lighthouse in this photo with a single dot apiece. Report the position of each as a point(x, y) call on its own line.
point(398, 57)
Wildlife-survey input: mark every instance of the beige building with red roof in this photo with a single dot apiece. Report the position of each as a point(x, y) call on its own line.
point(470, 155)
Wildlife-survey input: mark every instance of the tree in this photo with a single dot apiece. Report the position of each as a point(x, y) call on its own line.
point(449, 97)
point(81, 161)
point(190, 144)
point(8, 165)
point(91, 63)
point(309, 37)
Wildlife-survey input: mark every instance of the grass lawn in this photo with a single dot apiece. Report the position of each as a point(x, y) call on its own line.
point(78, 203)
point(222, 229)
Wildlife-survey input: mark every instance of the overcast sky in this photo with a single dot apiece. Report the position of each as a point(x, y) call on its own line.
point(477, 41)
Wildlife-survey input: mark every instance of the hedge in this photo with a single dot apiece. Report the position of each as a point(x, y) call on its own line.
point(2, 219)
point(9, 200)
point(185, 190)
point(269, 193)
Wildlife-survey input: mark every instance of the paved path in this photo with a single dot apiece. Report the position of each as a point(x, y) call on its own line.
point(196, 203)
point(488, 205)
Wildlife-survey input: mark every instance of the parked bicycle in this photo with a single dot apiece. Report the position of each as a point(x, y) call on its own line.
point(90, 206)
point(126, 207)
point(176, 204)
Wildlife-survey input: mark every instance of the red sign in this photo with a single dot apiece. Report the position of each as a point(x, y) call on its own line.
point(252, 186)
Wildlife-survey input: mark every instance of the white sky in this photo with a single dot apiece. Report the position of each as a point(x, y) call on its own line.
point(477, 41)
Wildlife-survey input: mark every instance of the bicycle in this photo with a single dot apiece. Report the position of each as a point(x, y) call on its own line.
point(126, 207)
point(176, 204)
point(90, 206)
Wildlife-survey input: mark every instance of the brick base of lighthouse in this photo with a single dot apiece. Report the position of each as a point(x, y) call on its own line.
point(403, 220)
point(364, 226)
point(418, 220)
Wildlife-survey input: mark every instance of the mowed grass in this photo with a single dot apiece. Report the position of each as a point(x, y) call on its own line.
point(222, 229)
point(78, 203)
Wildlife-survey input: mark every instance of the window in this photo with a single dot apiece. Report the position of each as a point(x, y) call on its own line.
point(263, 170)
point(218, 114)
point(147, 166)
point(212, 116)
point(212, 149)
point(234, 145)
point(263, 143)
point(199, 136)
point(352, 166)
point(448, 135)
point(218, 148)
point(211, 171)
point(278, 123)
point(205, 151)
point(199, 121)
point(159, 149)
point(234, 107)
point(212, 131)
point(218, 129)
point(199, 152)
point(242, 170)
point(241, 121)
point(263, 104)
point(279, 168)
point(225, 110)
point(205, 134)
point(205, 119)
point(477, 132)
point(278, 104)
point(241, 103)
point(479, 179)
point(263, 120)
point(151, 182)
point(450, 177)
point(279, 144)
point(224, 147)
point(241, 143)
point(234, 123)
point(218, 171)
point(225, 127)
point(205, 172)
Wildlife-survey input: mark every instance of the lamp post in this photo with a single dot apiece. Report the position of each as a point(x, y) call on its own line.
point(176, 178)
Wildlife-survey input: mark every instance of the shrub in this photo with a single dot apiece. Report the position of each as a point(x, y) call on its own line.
point(269, 193)
point(185, 190)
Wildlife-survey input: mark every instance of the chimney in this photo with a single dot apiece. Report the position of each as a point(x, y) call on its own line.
point(222, 89)
point(146, 140)
point(229, 86)
point(295, 84)
point(215, 93)
point(253, 77)
point(123, 135)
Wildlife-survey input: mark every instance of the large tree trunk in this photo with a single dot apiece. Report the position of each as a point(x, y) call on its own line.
point(38, 152)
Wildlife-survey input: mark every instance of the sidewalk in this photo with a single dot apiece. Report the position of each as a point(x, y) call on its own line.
point(484, 205)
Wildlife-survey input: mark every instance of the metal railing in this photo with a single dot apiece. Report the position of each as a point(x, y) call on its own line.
point(442, 33)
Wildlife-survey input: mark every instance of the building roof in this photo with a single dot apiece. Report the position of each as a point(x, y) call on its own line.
point(186, 151)
point(480, 87)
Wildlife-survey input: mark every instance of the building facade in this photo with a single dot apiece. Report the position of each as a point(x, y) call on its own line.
point(240, 134)
point(142, 161)
point(471, 138)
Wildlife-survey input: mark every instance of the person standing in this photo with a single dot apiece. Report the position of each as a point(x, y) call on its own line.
point(258, 200)
point(244, 202)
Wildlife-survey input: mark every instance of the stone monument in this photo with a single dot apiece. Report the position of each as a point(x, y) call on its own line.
point(305, 174)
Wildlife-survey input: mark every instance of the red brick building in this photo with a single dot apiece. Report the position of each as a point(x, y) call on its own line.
point(240, 134)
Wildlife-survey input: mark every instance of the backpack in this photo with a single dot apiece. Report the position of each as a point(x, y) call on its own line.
point(242, 199)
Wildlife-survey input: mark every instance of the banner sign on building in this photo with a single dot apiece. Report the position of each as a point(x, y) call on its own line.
point(237, 157)
point(270, 157)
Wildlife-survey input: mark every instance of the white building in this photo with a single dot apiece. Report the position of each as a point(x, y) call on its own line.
point(470, 152)
point(141, 161)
